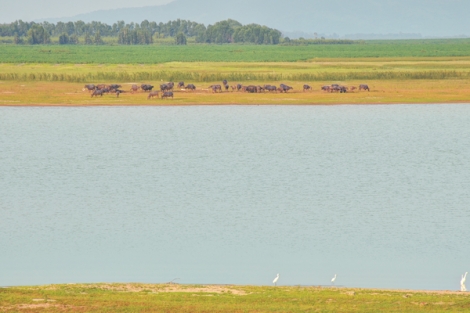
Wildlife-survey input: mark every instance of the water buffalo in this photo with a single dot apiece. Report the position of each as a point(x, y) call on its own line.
point(270, 88)
point(167, 94)
point(153, 94)
point(285, 88)
point(353, 88)
point(97, 92)
point(118, 92)
point(170, 85)
point(259, 89)
point(364, 87)
point(190, 87)
point(134, 88)
point(215, 88)
point(181, 85)
point(239, 86)
point(234, 88)
point(100, 86)
point(251, 89)
point(226, 87)
point(307, 87)
point(224, 82)
point(146, 87)
point(326, 88)
point(115, 86)
point(89, 87)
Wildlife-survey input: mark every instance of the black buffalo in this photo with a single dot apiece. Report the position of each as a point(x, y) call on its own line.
point(190, 87)
point(307, 87)
point(167, 87)
point(114, 86)
point(146, 87)
point(285, 88)
point(167, 94)
point(181, 85)
point(97, 93)
point(89, 87)
point(118, 92)
point(216, 88)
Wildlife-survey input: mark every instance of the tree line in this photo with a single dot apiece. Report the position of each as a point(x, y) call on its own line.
point(228, 31)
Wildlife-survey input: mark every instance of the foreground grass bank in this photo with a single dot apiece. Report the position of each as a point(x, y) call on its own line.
point(185, 298)
point(14, 93)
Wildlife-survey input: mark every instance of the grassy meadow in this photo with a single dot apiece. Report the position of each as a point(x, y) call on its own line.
point(156, 54)
point(201, 298)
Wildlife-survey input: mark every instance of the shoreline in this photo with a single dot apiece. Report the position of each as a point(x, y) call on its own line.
point(134, 297)
point(64, 94)
point(463, 102)
point(210, 287)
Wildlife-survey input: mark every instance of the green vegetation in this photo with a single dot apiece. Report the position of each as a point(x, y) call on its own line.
point(152, 54)
point(228, 31)
point(181, 298)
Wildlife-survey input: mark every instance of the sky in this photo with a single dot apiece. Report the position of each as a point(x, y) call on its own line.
point(29, 10)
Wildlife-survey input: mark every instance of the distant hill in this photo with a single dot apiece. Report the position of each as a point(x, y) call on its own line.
point(425, 17)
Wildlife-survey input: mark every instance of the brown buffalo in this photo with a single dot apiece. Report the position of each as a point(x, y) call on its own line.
point(364, 87)
point(153, 94)
point(134, 88)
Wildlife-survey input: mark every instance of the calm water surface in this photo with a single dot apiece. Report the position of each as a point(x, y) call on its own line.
point(378, 195)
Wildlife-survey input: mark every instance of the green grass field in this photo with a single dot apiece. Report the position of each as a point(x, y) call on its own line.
point(156, 54)
point(183, 298)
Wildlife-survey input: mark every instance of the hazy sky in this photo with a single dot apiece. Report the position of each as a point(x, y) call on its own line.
point(28, 10)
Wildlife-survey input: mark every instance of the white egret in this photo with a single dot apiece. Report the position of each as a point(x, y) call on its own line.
point(333, 280)
point(276, 279)
point(462, 282)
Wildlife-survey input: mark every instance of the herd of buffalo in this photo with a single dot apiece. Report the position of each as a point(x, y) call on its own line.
point(166, 90)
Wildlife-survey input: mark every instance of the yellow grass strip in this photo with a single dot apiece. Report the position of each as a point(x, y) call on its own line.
point(13, 93)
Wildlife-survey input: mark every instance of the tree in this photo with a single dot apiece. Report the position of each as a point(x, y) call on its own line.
point(180, 39)
point(73, 40)
point(88, 40)
point(17, 39)
point(98, 40)
point(63, 39)
point(38, 35)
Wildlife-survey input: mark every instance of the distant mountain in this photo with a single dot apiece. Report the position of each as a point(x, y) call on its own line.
point(425, 17)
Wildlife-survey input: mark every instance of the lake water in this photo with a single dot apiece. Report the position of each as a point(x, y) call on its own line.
point(379, 195)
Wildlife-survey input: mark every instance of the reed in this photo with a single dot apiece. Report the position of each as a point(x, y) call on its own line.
point(232, 76)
